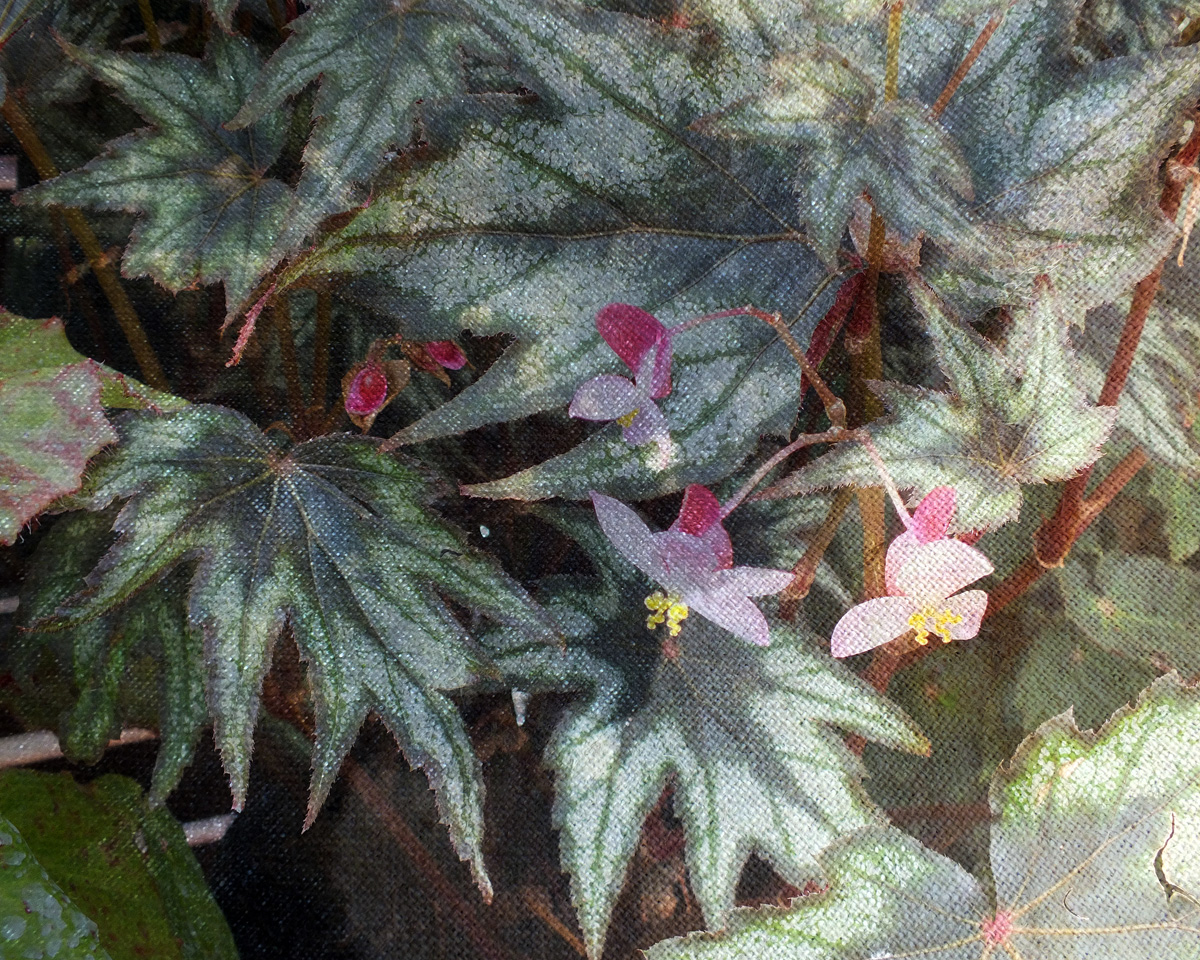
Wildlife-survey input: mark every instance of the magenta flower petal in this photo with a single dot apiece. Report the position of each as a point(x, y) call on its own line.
point(655, 371)
point(931, 519)
point(940, 569)
point(871, 624)
point(629, 535)
point(737, 614)
point(971, 606)
point(649, 425)
point(630, 331)
point(368, 390)
point(699, 511)
point(447, 353)
point(606, 398)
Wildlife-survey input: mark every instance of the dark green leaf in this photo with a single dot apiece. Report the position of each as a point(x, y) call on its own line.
point(1083, 825)
point(208, 212)
point(1011, 417)
point(36, 918)
point(338, 541)
point(127, 867)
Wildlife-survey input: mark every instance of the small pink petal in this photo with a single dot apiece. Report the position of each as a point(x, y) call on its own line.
point(971, 606)
point(630, 331)
point(940, 569)
point(629, 535)
point(871, 624)
point(699, 511)
point(737, 614)
point(687, 559)
point(931, 519)
point(368, 390)
point(606, 398)
point(447, 353)
point(648, 426)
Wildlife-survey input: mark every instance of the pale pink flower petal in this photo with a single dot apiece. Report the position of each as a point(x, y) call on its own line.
point(648, 425)
point(655, 371)
point(899, 552)
point(971, 606)
point(686, 557)
point(871, 624)
point(931, 519)
point(940, 569)
point(737, 614)
point(629, 535)
point(751, 581)
point(605, 398)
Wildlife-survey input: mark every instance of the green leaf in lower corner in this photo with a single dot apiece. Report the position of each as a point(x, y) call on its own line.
point(128, 868)
point(51, 418)
point(748, 738)
point(36, 918)
point(338, 542)
point(1140, 607)
point(1094, 855)
point(1012, 416)
point(208, 213)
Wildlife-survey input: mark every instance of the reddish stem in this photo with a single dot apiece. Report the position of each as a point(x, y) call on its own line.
point(960, 74)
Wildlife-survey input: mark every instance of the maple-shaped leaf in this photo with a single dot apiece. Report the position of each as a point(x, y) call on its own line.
point(207, 210)
point(106, 656)
point(1011, 416)
point(332, 539)
point(376, 60)
point(746, 737)
point(852, 141)
point(1064, 161)
point(1093, 855)
point(536, 219)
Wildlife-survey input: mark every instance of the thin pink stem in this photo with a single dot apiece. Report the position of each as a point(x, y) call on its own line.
point(807, 440)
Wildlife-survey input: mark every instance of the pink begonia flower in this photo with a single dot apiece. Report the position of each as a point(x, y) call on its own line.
point(693, 562)
point(448, 353)
point(924, 571)
point(645, 345)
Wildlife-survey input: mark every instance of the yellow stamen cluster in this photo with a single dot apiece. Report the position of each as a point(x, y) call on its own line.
point(927, 621)
point(668, 609)
point(627, 419)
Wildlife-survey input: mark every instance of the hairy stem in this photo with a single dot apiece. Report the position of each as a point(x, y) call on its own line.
point(891, 80)
point(282, 316)
point(960, 74)
point(806, 440)
point(106, 274)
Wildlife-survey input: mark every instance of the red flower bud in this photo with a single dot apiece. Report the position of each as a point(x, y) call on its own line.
point(368, 390)
point(447, 353)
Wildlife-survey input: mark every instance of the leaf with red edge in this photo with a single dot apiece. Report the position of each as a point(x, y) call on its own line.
point(51, 418)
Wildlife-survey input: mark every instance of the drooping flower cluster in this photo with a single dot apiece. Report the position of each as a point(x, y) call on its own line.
point(644, 344)
point(693, 564)
point(924, 572)
point(370, 385)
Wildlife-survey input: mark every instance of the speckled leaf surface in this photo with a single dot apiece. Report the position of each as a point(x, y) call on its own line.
point(1093, 856)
